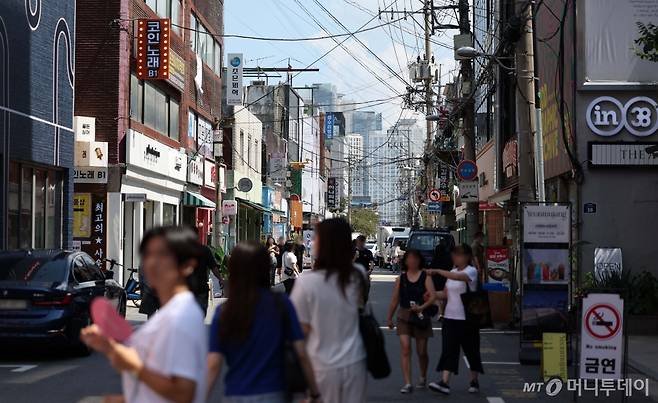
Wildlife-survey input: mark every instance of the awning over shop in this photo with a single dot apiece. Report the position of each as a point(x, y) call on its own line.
point(252, 204)
point(195, 199)
point(503, 196)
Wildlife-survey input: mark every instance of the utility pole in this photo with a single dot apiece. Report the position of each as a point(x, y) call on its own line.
point(468, 118)
point(525, 105)
point(429, 168)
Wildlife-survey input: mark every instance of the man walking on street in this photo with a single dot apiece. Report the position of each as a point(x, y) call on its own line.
point(365, 258)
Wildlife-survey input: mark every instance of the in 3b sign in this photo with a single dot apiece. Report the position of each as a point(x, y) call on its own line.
point(607, 116)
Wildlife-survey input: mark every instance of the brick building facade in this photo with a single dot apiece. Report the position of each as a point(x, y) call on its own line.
point(159, 132)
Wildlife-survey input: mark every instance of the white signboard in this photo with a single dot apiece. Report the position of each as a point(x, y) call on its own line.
point(229, 207)
point(469, 191)
point(209, 174)
point(150, 154)
point(222, 178)
point(622, 154)
point(90, 154)
point(607, 261)
point(601, 346)
point(195, 171)
point(278, 168)
point(546, 224)
point(610, 32)
point(89, 175)
point(234, 86)
point(85, 128)
point(204, 137)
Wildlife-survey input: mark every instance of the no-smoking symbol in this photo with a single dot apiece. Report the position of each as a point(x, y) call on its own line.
point(603, 321)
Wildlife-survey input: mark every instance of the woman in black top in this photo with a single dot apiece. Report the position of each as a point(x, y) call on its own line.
point(411, 288)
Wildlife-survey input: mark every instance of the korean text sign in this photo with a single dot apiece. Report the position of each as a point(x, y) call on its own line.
point(153, 49)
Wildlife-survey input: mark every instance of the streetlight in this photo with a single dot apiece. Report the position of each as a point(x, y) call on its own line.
point(468, 52)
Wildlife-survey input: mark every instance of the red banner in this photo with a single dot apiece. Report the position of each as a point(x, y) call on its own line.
point(153, 49)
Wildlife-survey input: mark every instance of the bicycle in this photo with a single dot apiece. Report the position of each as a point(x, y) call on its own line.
point(132, 286)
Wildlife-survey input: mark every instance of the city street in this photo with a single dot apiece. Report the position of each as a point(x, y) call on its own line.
point(44, 376)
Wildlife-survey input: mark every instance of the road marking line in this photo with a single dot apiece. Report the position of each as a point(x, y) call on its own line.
point(500, 363)
point(19, 368)
point(495, 400)
point(483, 332)
point(41, 374)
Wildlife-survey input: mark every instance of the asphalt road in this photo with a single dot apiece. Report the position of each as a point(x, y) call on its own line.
point(42, 375)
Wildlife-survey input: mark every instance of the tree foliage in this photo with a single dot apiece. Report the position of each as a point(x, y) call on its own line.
point(365, 221)
point(647, 42)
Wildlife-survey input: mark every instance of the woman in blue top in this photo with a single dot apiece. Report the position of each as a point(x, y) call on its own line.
point(248, 333)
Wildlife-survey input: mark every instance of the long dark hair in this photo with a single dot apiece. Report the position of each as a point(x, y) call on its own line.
point(289, 246)
point(249, 273)
point(184, 245)
point(335, 251)
point(418, 255)
point(267, 242)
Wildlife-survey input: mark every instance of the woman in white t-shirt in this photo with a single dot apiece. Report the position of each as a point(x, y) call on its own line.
point(327, 300)
point(456, 331)
point(165, 359)
point(289, 269)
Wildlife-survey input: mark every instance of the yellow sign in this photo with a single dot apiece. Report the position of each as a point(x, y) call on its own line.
point(554, 356)
point(81, 215)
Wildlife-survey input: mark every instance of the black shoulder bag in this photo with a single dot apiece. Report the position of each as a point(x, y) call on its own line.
point(476, 306)
point(372, 336)
point(295, 381)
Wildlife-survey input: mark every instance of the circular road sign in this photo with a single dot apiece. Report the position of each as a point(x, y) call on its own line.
point(434, 195)
point(467, 170)
point(603, 321)
point(245, 185)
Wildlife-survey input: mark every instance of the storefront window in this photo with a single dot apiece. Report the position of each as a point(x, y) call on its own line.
point(39, 208)
point(13, 189)
point(34, 208)
point(25, 230)
point(149, 213)
point(53, 206)
point(168, 214)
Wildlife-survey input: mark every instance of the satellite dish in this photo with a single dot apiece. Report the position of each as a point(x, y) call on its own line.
point(245, 185)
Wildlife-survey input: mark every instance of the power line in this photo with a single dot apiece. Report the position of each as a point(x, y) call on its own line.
point(275, 39)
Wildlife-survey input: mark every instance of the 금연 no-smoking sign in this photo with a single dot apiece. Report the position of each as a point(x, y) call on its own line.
point(601, 348)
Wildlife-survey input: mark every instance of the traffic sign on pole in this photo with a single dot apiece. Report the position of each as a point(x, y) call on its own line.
point(467, 170)
point(434, 195)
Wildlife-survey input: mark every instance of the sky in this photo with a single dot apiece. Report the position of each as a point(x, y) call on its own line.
point(395, 44)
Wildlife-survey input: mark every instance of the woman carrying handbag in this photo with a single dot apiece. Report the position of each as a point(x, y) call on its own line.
point(413, 318)
point(457, 330)
point(256, 331)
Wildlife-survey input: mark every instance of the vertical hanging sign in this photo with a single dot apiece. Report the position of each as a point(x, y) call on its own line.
point(329, 125)
point(234, 87)
point(153, 49)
